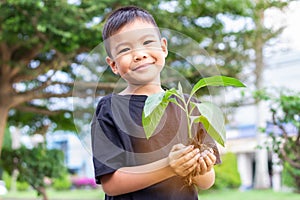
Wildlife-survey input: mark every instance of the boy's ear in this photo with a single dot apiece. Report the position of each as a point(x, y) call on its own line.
point(164, 46)
point(112, 64)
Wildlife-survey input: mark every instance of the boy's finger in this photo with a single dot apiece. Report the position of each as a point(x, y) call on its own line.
point(212, 157)
point(190, 169)
point(178, 147)
point(202, 166)
point(184, 161)
point(189, 166)
point(190, 160)
point(192, 156)
point(208, 161)
point(181, 152)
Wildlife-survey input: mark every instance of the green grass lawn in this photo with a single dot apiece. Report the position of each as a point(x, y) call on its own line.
point(57, 195)
point(248, 195)
point(207, 195)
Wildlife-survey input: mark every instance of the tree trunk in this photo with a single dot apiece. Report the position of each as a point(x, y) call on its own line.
point(43, 192)
point(3, 120)
point(13, 182)
point(261, 178)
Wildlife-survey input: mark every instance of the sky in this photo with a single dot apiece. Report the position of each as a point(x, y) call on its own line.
point(285, 66)
point(289, 17)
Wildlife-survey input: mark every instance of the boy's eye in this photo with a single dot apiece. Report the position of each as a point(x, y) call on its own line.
point(148, 42)
point(123, 50)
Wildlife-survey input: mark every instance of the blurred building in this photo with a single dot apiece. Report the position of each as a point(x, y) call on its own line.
point(78, 159)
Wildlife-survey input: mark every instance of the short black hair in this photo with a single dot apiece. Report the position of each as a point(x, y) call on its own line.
point(122, 16)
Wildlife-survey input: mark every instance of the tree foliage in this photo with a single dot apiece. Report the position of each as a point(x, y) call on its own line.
point(288, 148)
point(38, 41)
point(43, 44)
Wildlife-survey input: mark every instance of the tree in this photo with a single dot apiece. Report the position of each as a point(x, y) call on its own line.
point(34, 165)
point(285, 112)
point(36, 42)
point(257, 40)
point(43, 43)
point(40, 42)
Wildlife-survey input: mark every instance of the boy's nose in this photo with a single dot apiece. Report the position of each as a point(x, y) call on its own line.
point(139, 55)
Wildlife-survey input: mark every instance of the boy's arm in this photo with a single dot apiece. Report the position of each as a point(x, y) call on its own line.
point(130, 179)
point(206, 180)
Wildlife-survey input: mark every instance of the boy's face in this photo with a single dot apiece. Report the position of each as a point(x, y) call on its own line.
point(137, 53)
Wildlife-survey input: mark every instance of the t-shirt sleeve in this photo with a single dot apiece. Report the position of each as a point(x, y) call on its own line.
point(109, 153)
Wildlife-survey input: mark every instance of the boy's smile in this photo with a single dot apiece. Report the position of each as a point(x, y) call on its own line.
point(138, 54)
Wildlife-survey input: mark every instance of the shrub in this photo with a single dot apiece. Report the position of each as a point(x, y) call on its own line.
point(22, 186)
point(63, 183)
point(287, 177)
point(227, 175)
point(7, 179)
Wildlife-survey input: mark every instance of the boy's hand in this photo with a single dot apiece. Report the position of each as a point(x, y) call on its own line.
point(184, 159)
point(206, 162)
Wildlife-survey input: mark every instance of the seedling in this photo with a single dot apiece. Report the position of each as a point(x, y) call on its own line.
point(209, 114)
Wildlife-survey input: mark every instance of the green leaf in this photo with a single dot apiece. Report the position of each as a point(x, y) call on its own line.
point(180, 91)
point(154, 109)
point(216, 81)
point(171, 92)
point(152, 120)
point(213, 121)
point(152, 102)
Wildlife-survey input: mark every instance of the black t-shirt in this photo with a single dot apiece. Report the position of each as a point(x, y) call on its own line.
point(118, 140)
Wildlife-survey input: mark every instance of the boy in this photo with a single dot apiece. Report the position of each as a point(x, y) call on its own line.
point(127, 165)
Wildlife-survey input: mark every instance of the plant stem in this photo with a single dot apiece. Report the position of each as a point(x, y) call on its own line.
point(188, 118)
point(187, 113)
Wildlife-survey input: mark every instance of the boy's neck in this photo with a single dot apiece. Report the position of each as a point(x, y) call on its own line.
point(142, 90)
